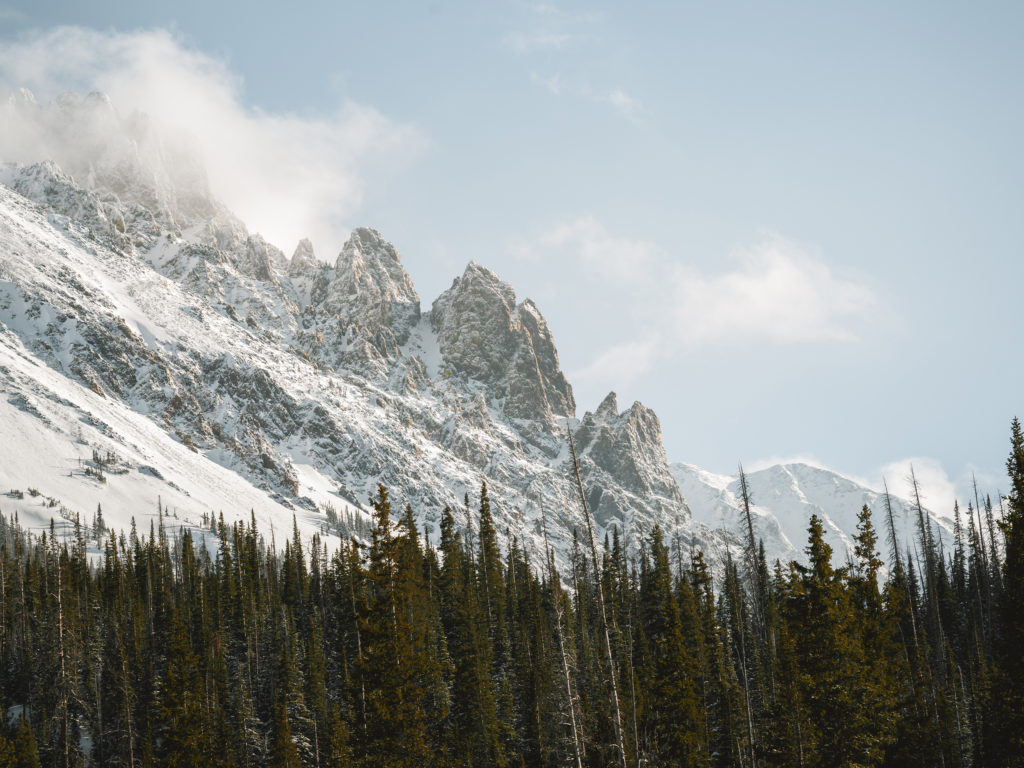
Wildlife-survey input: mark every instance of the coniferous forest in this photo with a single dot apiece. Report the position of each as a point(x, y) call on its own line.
point(395, 651)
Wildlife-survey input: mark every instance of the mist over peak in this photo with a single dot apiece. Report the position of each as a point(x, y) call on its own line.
point(137, 111)
point(129, 156)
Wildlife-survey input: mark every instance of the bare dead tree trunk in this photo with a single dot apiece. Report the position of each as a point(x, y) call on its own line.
point(600, 601)
point(632, 675)
point(553, 578)
point(64, 703)
point(981, 528)
point(746, 692)
point(929, 559)
point(359, 649)
point(760, 588)
point(568, 688)
point(127, 710)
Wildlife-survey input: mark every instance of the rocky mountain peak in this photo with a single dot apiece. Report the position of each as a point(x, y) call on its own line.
point(368, 245)
point(608, 410)
point(485, 336)
point(261, 260)
point(47, 184)
point(628, 447)
point(371, 289)
point(473, 320)
point(303, 261)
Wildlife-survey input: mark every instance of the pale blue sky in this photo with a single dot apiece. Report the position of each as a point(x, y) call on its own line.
point(790, 228)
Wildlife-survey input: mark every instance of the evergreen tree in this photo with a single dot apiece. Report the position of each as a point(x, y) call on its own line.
point(391, 669)
point(1006, 718)
point(473, 721)
point(674, 716)
point(832, 662)
point(283, 752)
point(184, 737)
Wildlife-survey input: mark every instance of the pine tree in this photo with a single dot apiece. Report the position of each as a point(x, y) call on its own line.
point(184, 738)
point(832, 661)
point(1005, 743)
point(674, 717)
point(491, 583)
point(25, 746)
point(283, 752)
point(473, 720)
point(392, 665)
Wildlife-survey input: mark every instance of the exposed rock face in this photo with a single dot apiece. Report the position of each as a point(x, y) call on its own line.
point(309, 278)
point(261, 260)
point(485, 336)
point(371, 289)
point(624, 451)
point(115, 223)
point(303, 261)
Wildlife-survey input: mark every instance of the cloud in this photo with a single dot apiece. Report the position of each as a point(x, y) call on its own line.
point(621, 363)
point(552, 83)
point(550, 28)
point(286, 175)
point(621, 102)
point(773, 291)
point(554, 31)
point(603, 255)
point(937, 490)
point(617, 99)
point(776, 291)
point(538, 39)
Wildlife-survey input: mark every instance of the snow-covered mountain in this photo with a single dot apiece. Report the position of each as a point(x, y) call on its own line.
point(783, 498)
point(152, 348)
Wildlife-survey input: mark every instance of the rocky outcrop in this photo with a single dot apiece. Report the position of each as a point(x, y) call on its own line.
point(303, 261)
point(371, 290)
point(623, 452)
point(260, 260)
point(112, 222)
point(485, 336)
point(308, 276)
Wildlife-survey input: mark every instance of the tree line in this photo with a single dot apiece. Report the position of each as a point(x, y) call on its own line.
point(396, 651)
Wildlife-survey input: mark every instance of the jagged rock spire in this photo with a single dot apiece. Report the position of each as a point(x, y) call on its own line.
point(485, 336)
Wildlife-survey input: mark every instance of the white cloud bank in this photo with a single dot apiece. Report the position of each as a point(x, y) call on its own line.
point(287, 176)
point(774, 291)
point(937, 490)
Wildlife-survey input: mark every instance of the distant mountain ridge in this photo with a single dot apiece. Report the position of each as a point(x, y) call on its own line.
point(140, 318)
point(785, 496)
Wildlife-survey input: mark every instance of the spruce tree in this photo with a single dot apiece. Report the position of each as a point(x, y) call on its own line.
point(473, 720)
point(674, 716)
point(392, 665)
point(1006, 719)
point(835, 691)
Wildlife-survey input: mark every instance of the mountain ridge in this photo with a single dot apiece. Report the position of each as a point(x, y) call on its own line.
point(309, 382)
